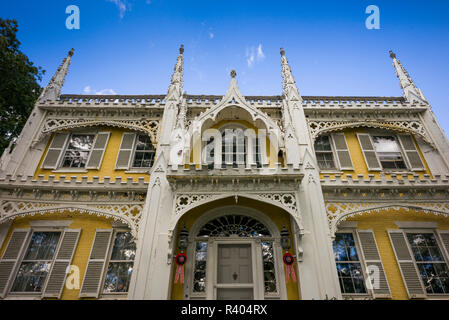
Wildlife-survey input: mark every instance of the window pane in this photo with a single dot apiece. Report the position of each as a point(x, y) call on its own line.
point(42, 246)
point(386, 144)
point(31, 277)
point(268, 267)
point(124, 247)
point(322, 143)
point(431, 265)
point(144, 143)
point(349, 268)
point(118, 277)
point(199, 273)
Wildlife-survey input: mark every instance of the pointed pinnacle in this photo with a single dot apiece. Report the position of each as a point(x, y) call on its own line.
point(233, 73)
point(392, 55)
point(181, 49)
point(71, 52)
point(282, 52)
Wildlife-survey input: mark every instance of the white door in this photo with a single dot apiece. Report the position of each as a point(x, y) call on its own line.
point(235, 272)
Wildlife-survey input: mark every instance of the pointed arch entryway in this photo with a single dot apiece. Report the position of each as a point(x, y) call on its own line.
point(235, 252)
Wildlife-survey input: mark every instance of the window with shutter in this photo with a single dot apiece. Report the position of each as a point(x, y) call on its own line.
point(144, 152)
point(64, 256)
point(406, 264)
point(373, 264)
point(36, 263)
point(323, 152)
point(96, 265)
point(98, 150)
point(342, 151)
point(11, 257)
point(126, 150)
point(55, 150)
point(349, 267)
point(77, 151)
point(121, 263)
point(369, 153)
point(430, 262)
point(411, 152)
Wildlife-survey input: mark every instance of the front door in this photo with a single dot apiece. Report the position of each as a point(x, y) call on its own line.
point(234, 272)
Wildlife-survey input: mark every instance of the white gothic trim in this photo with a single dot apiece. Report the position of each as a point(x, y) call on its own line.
point(151, 127)
point(233, 210)
point(9, 210)
point(338, 212)
point(318, 128)
point(184, 202)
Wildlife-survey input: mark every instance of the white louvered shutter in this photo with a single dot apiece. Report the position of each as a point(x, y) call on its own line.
point(126, 150)
point(64, 256)
point(369, 153)
point(55, 150)
point(372, 259)
point(96, 266)
point(406, 264)
point(444, 237)
point(342, 151)
point(411, 153)
point(10, 258)
point(97, 152)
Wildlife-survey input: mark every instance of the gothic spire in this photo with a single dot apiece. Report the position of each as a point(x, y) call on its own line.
point(176, 79)
point(411, 92)
point(53, 89)
point(289, 88)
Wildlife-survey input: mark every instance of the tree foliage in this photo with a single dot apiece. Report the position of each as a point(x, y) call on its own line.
point(19, 87)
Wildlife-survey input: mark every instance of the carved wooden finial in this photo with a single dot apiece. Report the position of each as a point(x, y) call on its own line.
point(392, 55)
point(233, 73)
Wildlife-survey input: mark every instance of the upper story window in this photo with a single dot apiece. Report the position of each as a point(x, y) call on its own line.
point(36, 263)
point(233, 147)
point(324, 153)
point(349, 266)
point(389, 152)
point(77, 151)
point(430, 262)
point(237, 148)
point(144, 152)
point(332, 152)
point(136, 151)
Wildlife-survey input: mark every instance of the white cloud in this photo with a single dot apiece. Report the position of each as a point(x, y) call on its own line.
point(105, 92)
point(122, 6)
point(211, 35)
point(88, 90)
point(254, 55)
point(260, 55)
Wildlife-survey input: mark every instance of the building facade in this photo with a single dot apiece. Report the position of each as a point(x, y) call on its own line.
point(179, 196)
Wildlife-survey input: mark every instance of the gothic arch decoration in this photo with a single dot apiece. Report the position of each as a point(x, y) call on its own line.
point(318, 128)
point(184, 202)
point(129, 214)
point(151, 127)
point(234, 225)
point(234, 99)
point(338, 212)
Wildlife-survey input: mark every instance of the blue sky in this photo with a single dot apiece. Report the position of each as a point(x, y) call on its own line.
point(130, 46)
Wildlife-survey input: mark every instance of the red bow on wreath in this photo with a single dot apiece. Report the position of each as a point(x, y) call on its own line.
point(288, 260)
point(180, 259)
